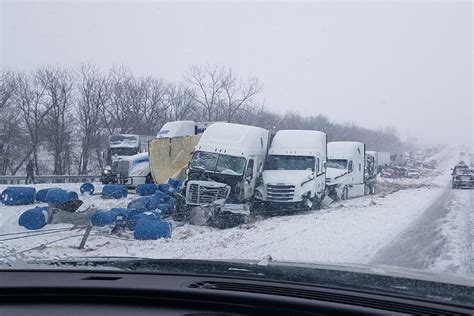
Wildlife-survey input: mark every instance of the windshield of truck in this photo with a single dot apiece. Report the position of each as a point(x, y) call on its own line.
point(218, 163)
point(280, 162)
point(267, 91)
point(337, 163)
point(125, 151)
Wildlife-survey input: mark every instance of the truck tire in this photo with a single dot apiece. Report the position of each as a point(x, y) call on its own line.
point(345, 193)
point(316, 204)
point(454, 185)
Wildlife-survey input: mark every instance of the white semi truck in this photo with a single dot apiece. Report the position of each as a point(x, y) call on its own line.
point(226, 163)
point(295, 171)
point(382, 158)
point(135, 169)
point(350, 171)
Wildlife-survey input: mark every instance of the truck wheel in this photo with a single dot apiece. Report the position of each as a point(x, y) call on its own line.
point(454, 186)
point(316, 204)
point(345, 193)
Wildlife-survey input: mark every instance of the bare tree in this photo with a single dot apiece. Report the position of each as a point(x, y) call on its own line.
point(181, 102)
point(58, 86)
point(33, 108)
point(208, 84)
point(153, 106)
point(93, 94)
point(237, 94)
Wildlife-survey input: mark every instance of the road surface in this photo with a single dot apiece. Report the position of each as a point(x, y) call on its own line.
point(440, 240)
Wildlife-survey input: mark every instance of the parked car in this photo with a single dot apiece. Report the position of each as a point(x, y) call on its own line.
point(463, 178)
point(413, 173)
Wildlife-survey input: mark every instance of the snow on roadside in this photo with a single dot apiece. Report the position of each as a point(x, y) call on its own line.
point(458, 231)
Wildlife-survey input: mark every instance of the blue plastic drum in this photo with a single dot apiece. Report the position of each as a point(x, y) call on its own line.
point(87, 188)
point(146, 229)
point(18, 196)
point(114, 191)
point(34, 218)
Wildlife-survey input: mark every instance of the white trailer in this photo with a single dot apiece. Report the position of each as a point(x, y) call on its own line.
point(226, 164)
point(350, 172)
point(295, 171)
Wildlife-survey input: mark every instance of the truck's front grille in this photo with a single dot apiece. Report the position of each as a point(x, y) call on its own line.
point(200, 193)
point(280, 192)
point(120, 167)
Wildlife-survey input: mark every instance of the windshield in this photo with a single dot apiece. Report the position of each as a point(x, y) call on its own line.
point(218, 163)
point(337, 163)
point(127, 151)
point(320, 131)
point(278, 162)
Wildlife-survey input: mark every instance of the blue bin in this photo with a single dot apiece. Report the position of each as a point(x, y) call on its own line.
point(146, 189)
point(18, 196)
point(87, 188)
point(165, 188)
point(114, 191)
point(72, 196)
point(142, 202)
point(174, 183)
point(133, 219)
point(165, 209)
point(57, 196)
point(146, 229)
point(34, 218)
point(41, 195)
point(103, 218)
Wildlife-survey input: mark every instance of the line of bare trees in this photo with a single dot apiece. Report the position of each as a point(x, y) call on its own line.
point(61, 118)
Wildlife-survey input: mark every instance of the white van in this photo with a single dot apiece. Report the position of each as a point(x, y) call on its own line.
point(227, 161)
point(295, 171)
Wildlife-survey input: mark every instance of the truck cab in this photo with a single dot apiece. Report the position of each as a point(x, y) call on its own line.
point(120, 146)
point(346, 174)
point(295, 171)
point(226, 163)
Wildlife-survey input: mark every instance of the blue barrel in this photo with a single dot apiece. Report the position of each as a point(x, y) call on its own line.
point(87, 188)
point(41, 195)
point(146, 229)
point(103, 218)
point(142, 203)
point(114, 191)
point(34, 218)
point(18, 196)
point(174, 183)
point(72, 196)
point(165, 209)
point(146, 189)
point(133, 219)
point(57, 196)
point(165, 188)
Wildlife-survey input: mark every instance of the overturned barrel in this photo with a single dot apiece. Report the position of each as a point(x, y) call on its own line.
point(133, 219)
point(57, 196)
point(87, 188)
point(146, 189)
point(174, 183)
point(18, 196)
point(114, 191)
point(146, 229)
point(103, 218)
point(34, 218)
point(41, 195)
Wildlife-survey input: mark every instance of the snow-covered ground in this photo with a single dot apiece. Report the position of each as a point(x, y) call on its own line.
point(352, 231)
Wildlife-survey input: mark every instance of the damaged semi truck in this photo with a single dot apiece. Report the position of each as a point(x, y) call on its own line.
point(295, 172)
point(225, 166)
point(351, 172)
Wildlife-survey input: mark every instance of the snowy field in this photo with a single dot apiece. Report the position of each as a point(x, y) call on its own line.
point(352, 231)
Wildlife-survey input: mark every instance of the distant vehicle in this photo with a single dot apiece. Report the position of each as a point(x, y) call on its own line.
point(388, 173)
point(350, 172)
point(463, 178)
point(226, 164)
point(382, 158)
point(413, 173)
point(295, 171)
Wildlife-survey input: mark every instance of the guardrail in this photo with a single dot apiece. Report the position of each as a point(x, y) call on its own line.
point(49, 179)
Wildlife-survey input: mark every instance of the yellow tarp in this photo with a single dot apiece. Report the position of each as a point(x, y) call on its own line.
point(169, 157)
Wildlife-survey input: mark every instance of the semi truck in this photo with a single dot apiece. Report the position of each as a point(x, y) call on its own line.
point(350, 171)
point(382, 158)
point(225, 166)
point(295, 171)
point(120, 146)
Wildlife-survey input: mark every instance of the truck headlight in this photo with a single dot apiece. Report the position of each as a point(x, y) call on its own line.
point(106, 171)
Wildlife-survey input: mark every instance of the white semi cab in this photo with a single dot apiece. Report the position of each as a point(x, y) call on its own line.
point(295, 171)
point(227, 161)
point(136, 169)
point(348, 173)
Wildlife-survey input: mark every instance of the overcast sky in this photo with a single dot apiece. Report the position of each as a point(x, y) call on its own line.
point(403, 64)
